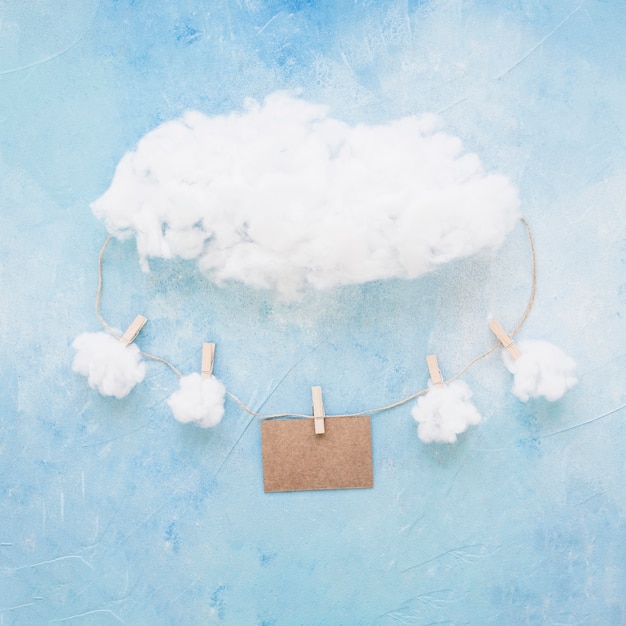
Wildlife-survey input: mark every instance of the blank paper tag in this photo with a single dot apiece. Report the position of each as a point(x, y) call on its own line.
point(296, 459)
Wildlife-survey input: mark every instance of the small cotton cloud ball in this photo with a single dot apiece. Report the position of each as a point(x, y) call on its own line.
point(543, 370)
point(110, 367)
point(444, 412)
point(198, 400)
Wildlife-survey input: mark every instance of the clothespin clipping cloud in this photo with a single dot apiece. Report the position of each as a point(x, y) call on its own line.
point(446, 410)
point(540, 369)
point(200, 397)
point(112, 366)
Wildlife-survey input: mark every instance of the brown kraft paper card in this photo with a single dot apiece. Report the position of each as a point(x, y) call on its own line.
point(296, 459)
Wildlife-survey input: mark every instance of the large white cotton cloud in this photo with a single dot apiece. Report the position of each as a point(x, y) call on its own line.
point(282, 196)
point(543, 370)
point(199, 401)
point(444, 412)
point(110, 366)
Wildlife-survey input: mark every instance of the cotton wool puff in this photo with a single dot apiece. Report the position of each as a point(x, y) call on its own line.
point(444, 412)
point(198, 400)
point(543, 370)
point(282, 196)
point(110, 367)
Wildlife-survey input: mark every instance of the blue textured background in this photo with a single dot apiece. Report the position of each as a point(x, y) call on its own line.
point(112, 512)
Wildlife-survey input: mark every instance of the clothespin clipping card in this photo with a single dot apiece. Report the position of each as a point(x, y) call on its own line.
point(505, 339)
point(208, 358)
point(318, 411)
point(334, 453)
point(133, 330)
point(433, 370)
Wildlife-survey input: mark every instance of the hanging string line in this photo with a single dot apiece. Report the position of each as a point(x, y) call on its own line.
point(108, 328)
point(153, 357)
point(533, 291)
point(387, 407)
point(99, 292)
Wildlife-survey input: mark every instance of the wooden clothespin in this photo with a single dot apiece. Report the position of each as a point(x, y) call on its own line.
point(133, 330)
point(208, 357)
point(433, 370)
point(318, 411)
point(505, 339)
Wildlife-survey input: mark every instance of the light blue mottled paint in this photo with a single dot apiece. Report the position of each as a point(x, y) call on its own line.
point(111, 512)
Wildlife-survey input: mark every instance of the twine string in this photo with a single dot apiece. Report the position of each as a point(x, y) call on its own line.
point(381, 409)
point(533, 291)
point(111, 330)
point(153, 357)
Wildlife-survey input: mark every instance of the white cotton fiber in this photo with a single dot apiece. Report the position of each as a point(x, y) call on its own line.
point(543, 370)
point(110, 367)
point(281, 196)
point(199, 401)
point(444, 412)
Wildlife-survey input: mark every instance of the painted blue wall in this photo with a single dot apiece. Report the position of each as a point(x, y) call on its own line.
point(112, 512)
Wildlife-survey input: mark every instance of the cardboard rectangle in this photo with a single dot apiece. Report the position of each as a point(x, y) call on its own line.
point(296, 459)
